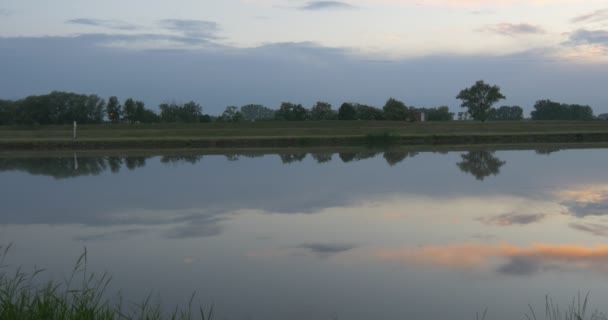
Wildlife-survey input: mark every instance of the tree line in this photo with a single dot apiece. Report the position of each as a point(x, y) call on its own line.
point(65, 107)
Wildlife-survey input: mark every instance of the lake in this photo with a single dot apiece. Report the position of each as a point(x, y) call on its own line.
point(357, 234)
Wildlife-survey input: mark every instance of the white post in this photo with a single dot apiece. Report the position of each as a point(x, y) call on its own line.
point(75, 162)
point(74, 137)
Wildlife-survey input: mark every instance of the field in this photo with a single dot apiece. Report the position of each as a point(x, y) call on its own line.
point(305, 133)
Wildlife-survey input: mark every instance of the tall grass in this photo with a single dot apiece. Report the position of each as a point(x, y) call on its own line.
point(576, 310)
point(82, 296)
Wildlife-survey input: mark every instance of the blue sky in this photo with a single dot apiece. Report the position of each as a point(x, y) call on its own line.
point(235, 52)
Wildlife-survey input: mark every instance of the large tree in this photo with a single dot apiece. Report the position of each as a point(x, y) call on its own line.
point(291, 112)
point(252, 112)
point(231, 114)
point(365, 112)
point(507, 113)
point(550, 110)
point(173, 112)
point(8, 110)
point(114, 110)
point(396, 110)
point(322, 111)
point(347, 111)
point(479, 98)
point(130, 110)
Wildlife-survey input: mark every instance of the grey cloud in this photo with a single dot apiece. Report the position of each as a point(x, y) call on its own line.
point(197, 229)
point(113, 39)
point(4, 12)
point(326, 5)
point(115, 235)
point(595, 229)
point(325, 250)
point(583, 209)
point(598, 15)
point(584, 36)
point(196, 29)
point(521, 266)
point(213, 75)
point(509, 219)
point(110, 24)
point(509, 29)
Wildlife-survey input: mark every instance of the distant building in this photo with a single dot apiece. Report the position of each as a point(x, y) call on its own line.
point(420, 116)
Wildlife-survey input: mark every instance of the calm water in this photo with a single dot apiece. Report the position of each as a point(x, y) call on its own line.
point(363, 235)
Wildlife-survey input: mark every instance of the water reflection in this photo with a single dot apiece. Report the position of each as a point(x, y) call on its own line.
point(480, 164)
point(59, 167)
point(410, 233)
point(292, 157)
point(192, 159)
point(504, 258)
point(394, 157)
point(547, 150)
point(357, 156)
point(322, 157)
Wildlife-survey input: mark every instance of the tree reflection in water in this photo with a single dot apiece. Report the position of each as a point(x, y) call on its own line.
point(480, 164)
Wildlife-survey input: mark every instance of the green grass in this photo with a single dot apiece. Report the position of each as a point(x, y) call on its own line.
point(274, 129)
point(283, 134)
point(81, 297)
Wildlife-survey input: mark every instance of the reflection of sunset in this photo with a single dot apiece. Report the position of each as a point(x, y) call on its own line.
point(585, 194)
point(512, 259)
point(454, 255)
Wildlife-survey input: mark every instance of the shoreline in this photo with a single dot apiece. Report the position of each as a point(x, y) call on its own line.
point(381, 140)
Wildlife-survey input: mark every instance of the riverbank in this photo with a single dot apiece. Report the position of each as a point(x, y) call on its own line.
point(299, 134)
point(84, 295)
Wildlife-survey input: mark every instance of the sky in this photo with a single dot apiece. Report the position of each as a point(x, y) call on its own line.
point(235, 52)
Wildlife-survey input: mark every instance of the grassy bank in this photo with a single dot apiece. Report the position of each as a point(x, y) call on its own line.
point(275, 134)
point(83, 296)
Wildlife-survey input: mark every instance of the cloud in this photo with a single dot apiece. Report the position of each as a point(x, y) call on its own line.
point(319, 250)
point(588, 37)
point(509, 219)
point(197, 29)
point(326, 5)
point(144, 41)
point(585, 201)
point(200, 228)
point(595, 229)
point(113, 235)
point(509, 29)
point(504, 258)
point(4, 12)
point(596, 16)
point(211, 73)
point(324, 250)
point(581, 209)
point(592, 193)
point(520, 266)
point(109, 24)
